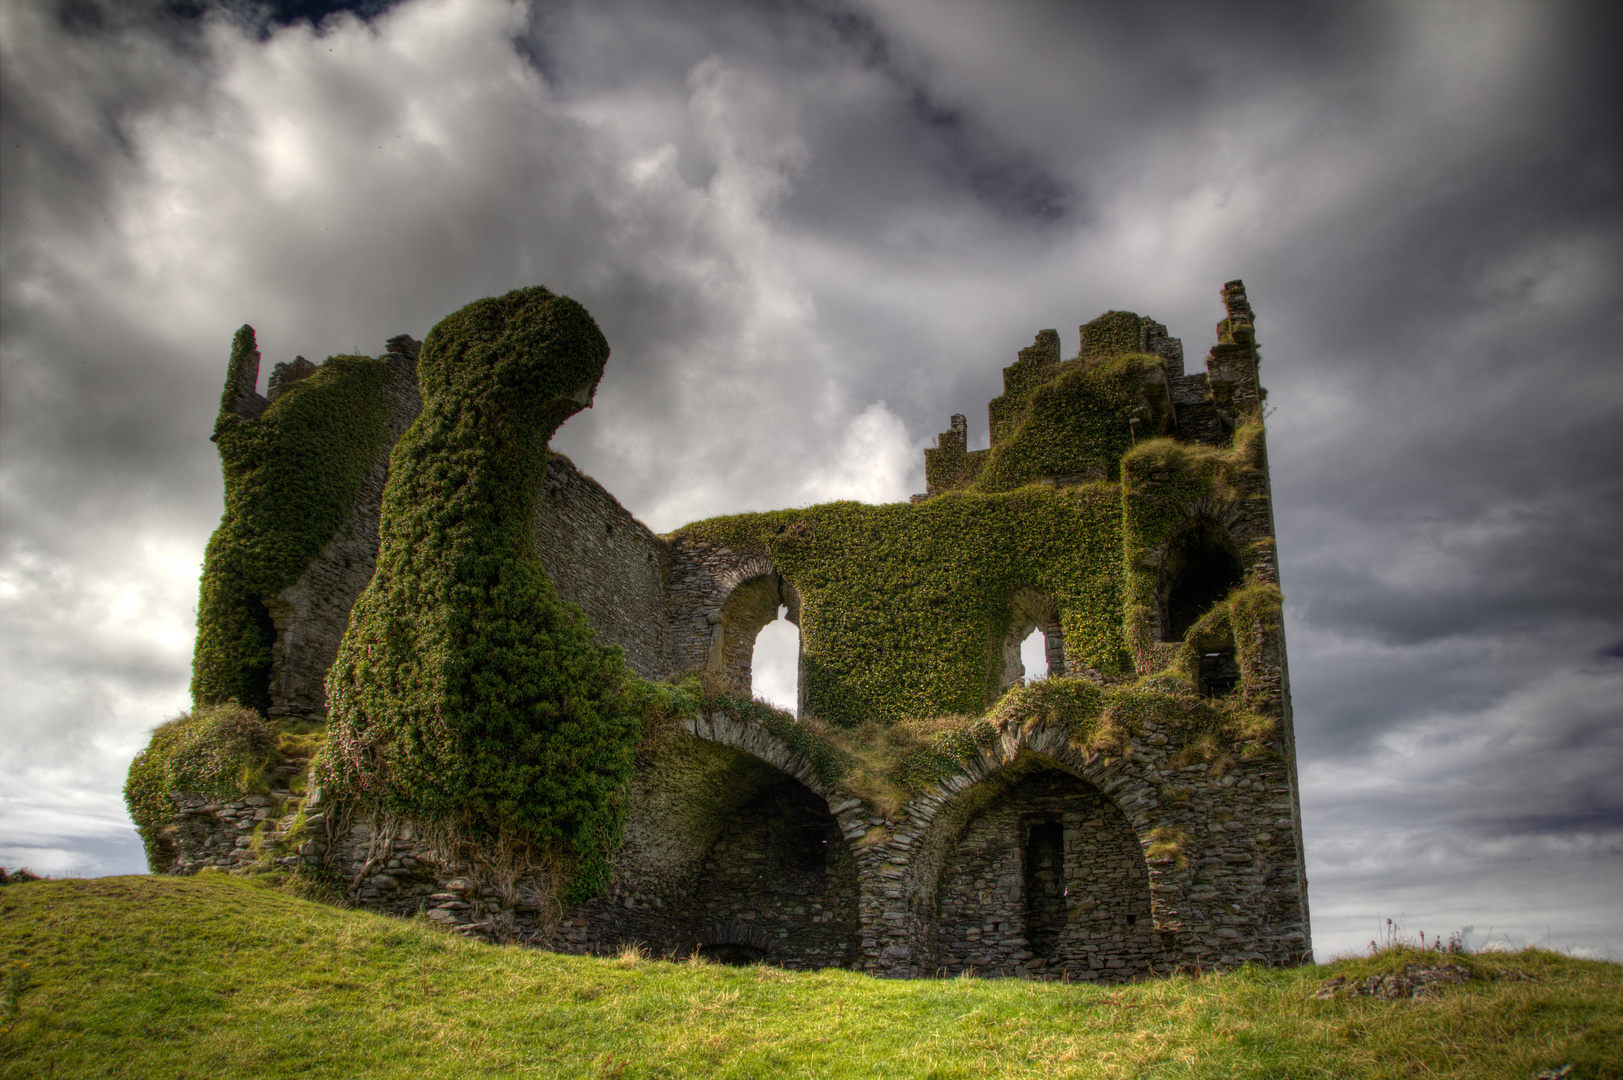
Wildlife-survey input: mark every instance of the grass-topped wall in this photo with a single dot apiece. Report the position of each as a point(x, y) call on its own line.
point(466, 693)
point(291, 476)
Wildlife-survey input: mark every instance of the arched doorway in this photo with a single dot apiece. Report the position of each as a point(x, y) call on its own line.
point(1048, 880)
point(779, 884)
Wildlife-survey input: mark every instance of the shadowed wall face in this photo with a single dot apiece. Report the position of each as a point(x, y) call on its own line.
point(779, 885)
point(1050, 876)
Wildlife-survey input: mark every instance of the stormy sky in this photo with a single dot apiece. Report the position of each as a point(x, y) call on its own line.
point(813, 229)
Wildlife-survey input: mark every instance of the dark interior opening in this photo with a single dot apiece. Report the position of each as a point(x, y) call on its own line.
point(780, 868)
point(810, 848)
point(734, 955)
point(257, 679)
point(1199, 569)
point(1219, 674)
point(1045, 883)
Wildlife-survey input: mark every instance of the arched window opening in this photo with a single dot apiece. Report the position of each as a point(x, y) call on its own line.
point(752, 606)
point(1034, 647)
point(775, 663)
point(1034, 655)
point(1199, 568)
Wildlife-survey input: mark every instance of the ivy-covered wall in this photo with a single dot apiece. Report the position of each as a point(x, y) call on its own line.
point(467, 693)
point(292, 469)
point(905, 606)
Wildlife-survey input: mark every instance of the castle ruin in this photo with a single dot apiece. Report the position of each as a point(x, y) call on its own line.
point(932, 811)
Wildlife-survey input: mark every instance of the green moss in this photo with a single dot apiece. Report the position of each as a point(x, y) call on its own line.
point(466, 693)
point(291, 476)
point(216, 751)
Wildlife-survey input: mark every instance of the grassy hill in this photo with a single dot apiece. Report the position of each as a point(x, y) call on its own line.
point(217, 977)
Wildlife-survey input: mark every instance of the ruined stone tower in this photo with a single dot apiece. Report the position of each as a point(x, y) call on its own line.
point(931, 810)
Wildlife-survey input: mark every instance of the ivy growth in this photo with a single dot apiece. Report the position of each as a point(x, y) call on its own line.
point(466, 693)
point(1080, 423)
point(932, 582)
point(291, 476)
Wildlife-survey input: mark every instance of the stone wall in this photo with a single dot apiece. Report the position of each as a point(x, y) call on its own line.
point(608, 562)
point(311, 615)
point(1048, 881)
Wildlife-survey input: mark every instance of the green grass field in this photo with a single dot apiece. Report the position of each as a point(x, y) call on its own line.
point(221, 978)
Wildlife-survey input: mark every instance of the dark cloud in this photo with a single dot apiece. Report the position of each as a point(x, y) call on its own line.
point(832, 224)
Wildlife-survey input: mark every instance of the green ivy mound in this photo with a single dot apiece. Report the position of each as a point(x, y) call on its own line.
point(217, 751)
point(466, 693)
point(291, 476)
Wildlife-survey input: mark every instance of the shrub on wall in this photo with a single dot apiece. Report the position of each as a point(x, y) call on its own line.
point(466, 693)
point(217, 751)
point(291, 476)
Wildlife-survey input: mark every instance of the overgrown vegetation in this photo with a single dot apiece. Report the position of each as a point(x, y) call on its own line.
point(932, 581)
point(217, 751)
point(466, 693)
point(291, 476)
point(1079, 423)
point(113, 986)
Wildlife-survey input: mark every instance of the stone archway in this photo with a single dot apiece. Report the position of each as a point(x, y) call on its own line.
point(1031, 610)
point(1047, 879)
point(779, 884)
